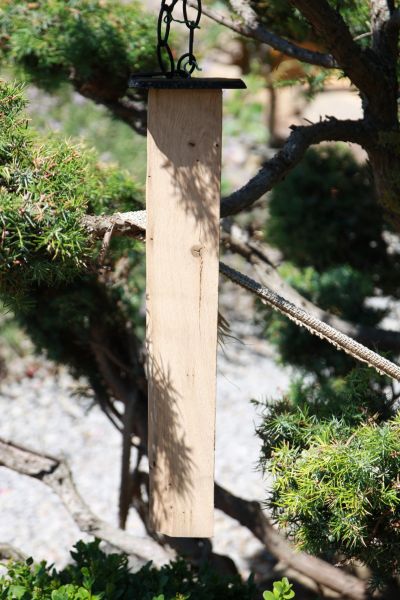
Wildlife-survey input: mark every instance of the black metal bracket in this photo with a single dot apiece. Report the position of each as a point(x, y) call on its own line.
point(190, 83)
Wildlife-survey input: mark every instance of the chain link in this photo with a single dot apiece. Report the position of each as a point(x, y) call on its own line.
point(187, 63)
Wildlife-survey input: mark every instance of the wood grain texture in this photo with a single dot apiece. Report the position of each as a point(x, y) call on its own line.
point(183, 197)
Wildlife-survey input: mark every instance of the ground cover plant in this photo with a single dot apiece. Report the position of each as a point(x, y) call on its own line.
point(94, 575)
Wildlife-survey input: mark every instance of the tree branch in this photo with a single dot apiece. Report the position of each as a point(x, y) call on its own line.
point(385, 33)
point(251, 28)
point(57, 475)
point(301, 138)
point(259, 255)
point(7, 551)
point(132, 111)
point(290, 155)
point(250, 515)
point(128, 224)
point(362, 67)
point(315, 324)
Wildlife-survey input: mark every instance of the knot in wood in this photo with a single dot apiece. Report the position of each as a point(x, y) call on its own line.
point(197, 250)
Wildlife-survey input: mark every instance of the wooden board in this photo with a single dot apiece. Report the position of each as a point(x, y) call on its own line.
point(183, 197)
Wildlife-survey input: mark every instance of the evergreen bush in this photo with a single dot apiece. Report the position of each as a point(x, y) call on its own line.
point(95, 43)
point(334, 451)
point(46, 186)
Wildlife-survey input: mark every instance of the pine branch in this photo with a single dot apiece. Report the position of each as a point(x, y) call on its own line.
point(303, 319)
point(94, 48)
point(250, 27)
point(261, 256)
point(290, 155)
point(363, 67)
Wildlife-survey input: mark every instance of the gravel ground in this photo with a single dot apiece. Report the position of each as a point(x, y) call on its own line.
point(42, 409)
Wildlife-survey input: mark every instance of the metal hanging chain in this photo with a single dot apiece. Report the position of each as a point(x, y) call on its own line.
point(187, 63)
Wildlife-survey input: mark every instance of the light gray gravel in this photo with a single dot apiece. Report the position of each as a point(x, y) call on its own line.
point(43, 412)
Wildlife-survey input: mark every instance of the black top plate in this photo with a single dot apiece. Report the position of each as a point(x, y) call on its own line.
point(199, 83)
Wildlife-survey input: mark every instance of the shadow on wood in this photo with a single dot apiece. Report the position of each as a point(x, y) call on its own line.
point(183, 197)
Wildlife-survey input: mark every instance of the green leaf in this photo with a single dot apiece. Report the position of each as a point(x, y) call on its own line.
point(17, 591)
point(279, 586)
point(269, 596)
point(83, 594)
point(60, 594)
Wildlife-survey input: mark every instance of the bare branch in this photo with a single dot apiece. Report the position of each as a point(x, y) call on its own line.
point(125, 489)
point(290, 155)
point(303, 319)
point(259, 255)
point(251, 28)
point(250, 515)
point(7, 551)
point(57, 475)
point(363, 69)
point(269, 175)
point(128, 224)
point(105, 245)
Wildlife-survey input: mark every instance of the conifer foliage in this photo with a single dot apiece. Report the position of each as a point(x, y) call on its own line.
point(96, 44)
point(334, 451)
point(46, 186)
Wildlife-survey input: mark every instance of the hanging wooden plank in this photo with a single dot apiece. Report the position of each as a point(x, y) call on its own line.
point(183, 197)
